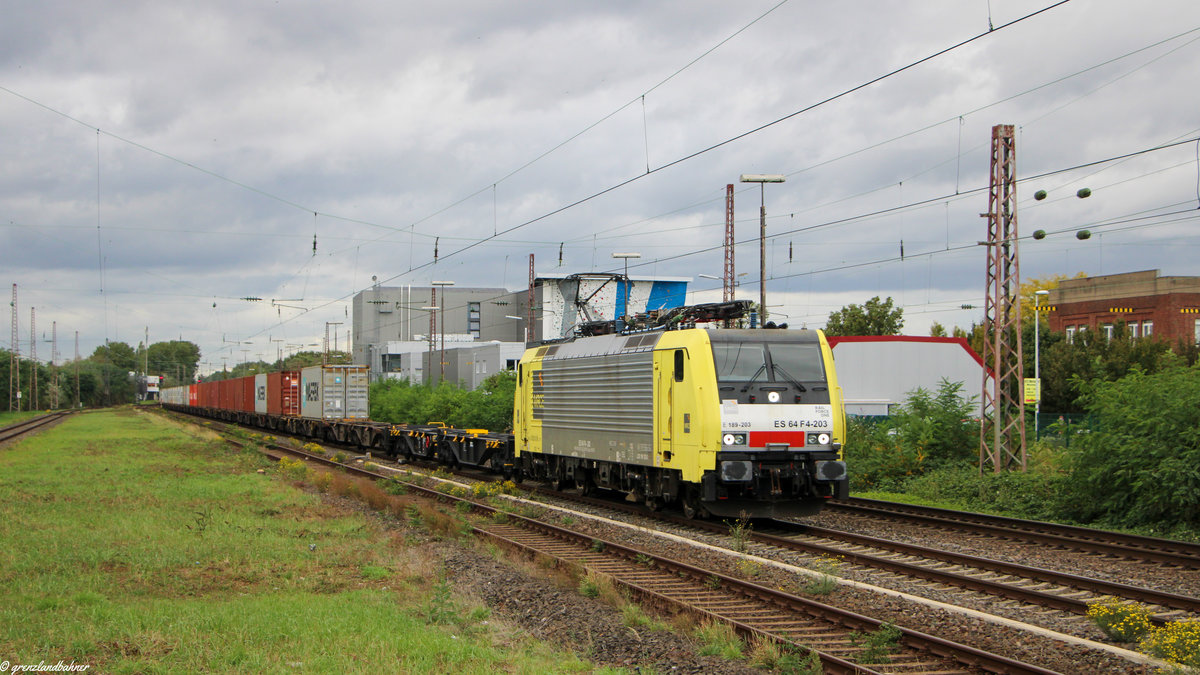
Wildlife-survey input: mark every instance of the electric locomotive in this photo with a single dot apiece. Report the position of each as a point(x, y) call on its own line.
point(728, 422)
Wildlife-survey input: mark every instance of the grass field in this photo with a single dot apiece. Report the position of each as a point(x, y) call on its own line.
point(8, 417)
point(135, 544)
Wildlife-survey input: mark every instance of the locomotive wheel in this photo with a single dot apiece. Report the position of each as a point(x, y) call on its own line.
point(690, 502)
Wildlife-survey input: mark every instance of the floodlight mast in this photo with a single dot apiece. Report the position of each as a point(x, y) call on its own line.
point(761, 179)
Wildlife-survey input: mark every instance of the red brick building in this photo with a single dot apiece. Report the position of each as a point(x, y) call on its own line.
point(1149, 305)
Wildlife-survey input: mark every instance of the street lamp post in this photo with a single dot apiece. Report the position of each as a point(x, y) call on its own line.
point(761, 179)
point(1037, 354)
point(442, 332)
point(626, 257)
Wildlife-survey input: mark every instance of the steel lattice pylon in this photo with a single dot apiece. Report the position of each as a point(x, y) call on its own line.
point(1002, 437)
point(530, 335)
point(729, 276)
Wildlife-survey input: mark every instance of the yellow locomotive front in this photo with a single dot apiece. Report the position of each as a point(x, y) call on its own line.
point(782, 424)
point(720, 422)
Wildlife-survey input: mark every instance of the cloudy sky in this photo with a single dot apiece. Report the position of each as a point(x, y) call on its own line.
point(161, 161)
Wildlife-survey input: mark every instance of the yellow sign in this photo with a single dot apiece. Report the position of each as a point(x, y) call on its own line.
point(1033, 390)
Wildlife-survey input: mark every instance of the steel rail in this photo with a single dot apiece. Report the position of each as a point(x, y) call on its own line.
point(23, 427)
point(1070, 582)
point(1134, 547)
point(832, 652)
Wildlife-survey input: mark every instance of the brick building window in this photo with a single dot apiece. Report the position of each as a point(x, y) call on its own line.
point(1198, 331)
point(1134, 330)
point(1070, 334)
point(1108, 332)
point(1147, 328)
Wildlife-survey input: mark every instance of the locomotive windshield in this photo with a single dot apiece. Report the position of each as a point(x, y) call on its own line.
point(800, 362)
point(740, 362)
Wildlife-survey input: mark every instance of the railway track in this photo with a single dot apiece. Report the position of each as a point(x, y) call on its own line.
point(26, 427)
point(1002, 580)
point(836, 636)
point(1032, 586)
point(1127, 546)
point(1082, 632)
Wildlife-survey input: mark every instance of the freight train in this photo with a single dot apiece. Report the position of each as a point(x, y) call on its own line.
point(727, 423)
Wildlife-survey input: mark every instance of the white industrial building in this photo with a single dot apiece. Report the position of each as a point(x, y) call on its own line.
point(877, 372)
point(392, 325)
point(466, 363)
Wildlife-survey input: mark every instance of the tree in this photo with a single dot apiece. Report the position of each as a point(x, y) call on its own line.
point(1030, 287)
point(1089, 356)
point(104, 384)
point(312, 358)
point(937, 330)
point(874, 317)
point(118, 354)
point(26, 371)
point(177, 360)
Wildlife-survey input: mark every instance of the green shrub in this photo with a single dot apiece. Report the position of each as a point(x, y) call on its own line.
point(1141, 467)
point(878, 644)
point(1033, 494)
point(928, 432)
point(489, 406)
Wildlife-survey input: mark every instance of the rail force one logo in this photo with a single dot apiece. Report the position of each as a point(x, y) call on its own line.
point(312, 392)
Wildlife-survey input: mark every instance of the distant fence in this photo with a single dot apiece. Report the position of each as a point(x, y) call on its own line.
point(1061, 428)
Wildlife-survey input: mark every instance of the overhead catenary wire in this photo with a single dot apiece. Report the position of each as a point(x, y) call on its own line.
point(602, 192)
point(744, 134)
point(858, 217)
point(495, 229)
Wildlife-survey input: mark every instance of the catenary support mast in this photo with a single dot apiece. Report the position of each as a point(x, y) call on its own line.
point(1002, 437)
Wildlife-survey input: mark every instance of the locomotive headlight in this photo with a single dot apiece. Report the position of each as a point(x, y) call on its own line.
point(773, 397)
point(728, 439)
point(823, 439)
point(734, 439)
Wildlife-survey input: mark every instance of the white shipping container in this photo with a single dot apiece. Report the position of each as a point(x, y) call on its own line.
point(260, 393)
point(334, 392)
point(175, 395)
